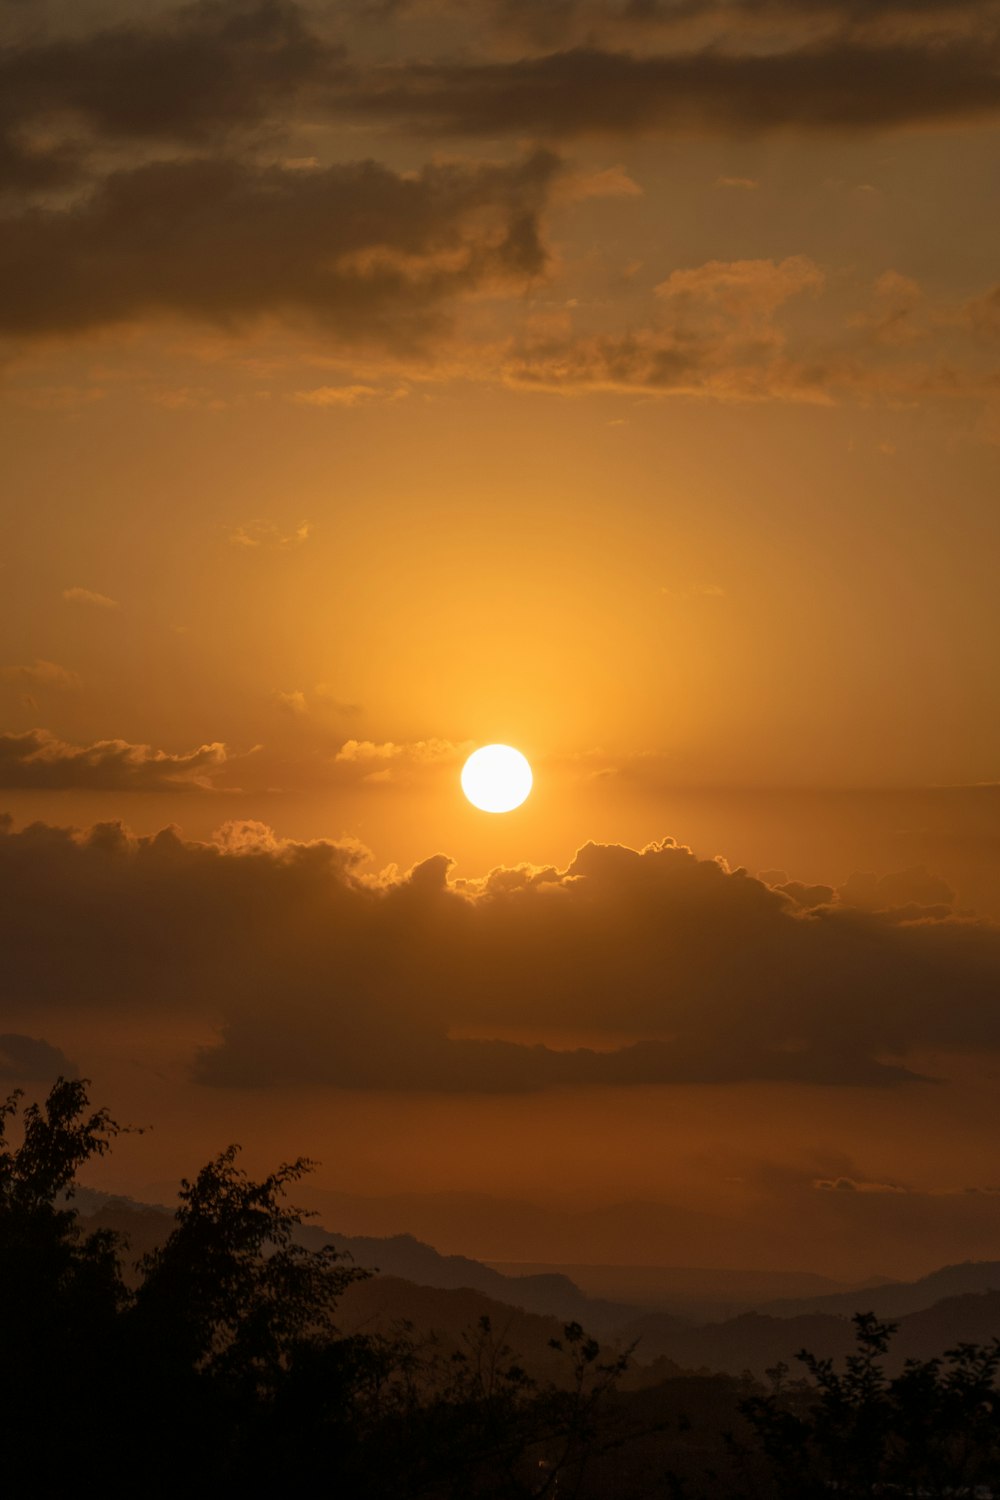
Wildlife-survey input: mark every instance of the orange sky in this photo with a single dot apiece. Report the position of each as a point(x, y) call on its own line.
point(616, 381)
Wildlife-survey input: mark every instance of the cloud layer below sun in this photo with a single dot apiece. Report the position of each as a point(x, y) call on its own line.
point(312, 969)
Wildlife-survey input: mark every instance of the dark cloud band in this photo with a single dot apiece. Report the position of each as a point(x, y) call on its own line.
point(589, 90)
point(370, 253)
point(315, 971)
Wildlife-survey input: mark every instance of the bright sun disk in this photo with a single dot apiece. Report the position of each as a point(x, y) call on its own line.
point(496, 778)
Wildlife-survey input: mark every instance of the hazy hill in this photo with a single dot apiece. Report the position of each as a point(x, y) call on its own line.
point(750, 1342)
point(895, 1299)
point(401, 1256)
point(972, 1318)
point(511, 1230)
point(756, 1341)
point(381, 1303)
point(697, 1293)
point(448, 1294)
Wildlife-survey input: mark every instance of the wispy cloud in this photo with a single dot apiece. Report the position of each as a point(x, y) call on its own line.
point(42, 674)
point(39, 759)
point(90, 598)
point(259, 533)
point(389, 761)
point(349, 395)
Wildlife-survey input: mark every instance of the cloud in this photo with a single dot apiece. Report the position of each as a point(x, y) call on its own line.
point(37, 759)
point(89, 598)
point(609, 182)
point(716, 334)
point(348, 395)
point(836, 83)
point(194, 75)
point(43, 674)
point(423, 752)
point(806, 896)
point(321, 703)
point(911, 895)
point(254, 1053)
point(27, 1059)
point(258, 533)
point(313, 969)
point(60, 398)
point(855, 1185)
point(292, 703)
point(743, 292)
point(371, 255)
point(385, 762)
point(737, 331)
point(737, 23)
point(891, 319)
point(657, 364)
point(328, 698)
point(983, 314)
point(189, 150)
point(222, 76)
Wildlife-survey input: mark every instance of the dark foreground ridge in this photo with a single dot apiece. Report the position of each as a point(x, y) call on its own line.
point(221, 1358)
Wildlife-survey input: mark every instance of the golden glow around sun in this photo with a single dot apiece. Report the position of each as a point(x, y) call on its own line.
point(496, 778)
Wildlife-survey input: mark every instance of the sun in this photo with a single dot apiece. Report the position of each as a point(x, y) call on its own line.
point(496, 778)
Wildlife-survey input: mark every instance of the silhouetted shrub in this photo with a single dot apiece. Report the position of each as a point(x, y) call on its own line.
point(219, 1367)
point(223, 1366)
point(931, 1431)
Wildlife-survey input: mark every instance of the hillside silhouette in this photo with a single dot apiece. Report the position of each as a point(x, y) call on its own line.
point(662, 1344)
point(894, 1299)
point(145, 1226)
point(229, 1347)
point(699, 1293)
point(223, 1359)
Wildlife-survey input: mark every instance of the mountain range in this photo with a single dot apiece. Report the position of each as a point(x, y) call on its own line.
point(449, 1294)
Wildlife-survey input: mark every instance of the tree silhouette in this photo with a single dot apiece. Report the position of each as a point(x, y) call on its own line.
point(224, 1368)
point(932, 1430)
point(61, 1291)
point(230, 1294)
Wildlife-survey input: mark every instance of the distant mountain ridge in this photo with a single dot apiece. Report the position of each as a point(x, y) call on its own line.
point(702, 1294)
point(897, 1299)
point(447, 1294)
point(380, 1304)
point(401, 1256)
point(757, 1341)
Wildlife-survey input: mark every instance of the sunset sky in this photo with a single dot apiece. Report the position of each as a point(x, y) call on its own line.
point(615, 379)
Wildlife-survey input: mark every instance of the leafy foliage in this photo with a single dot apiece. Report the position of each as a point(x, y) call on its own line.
point(224, 1367)
point(61, 1292)
point(230, 1293)
point(933, 1430)
point(221, 1367)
